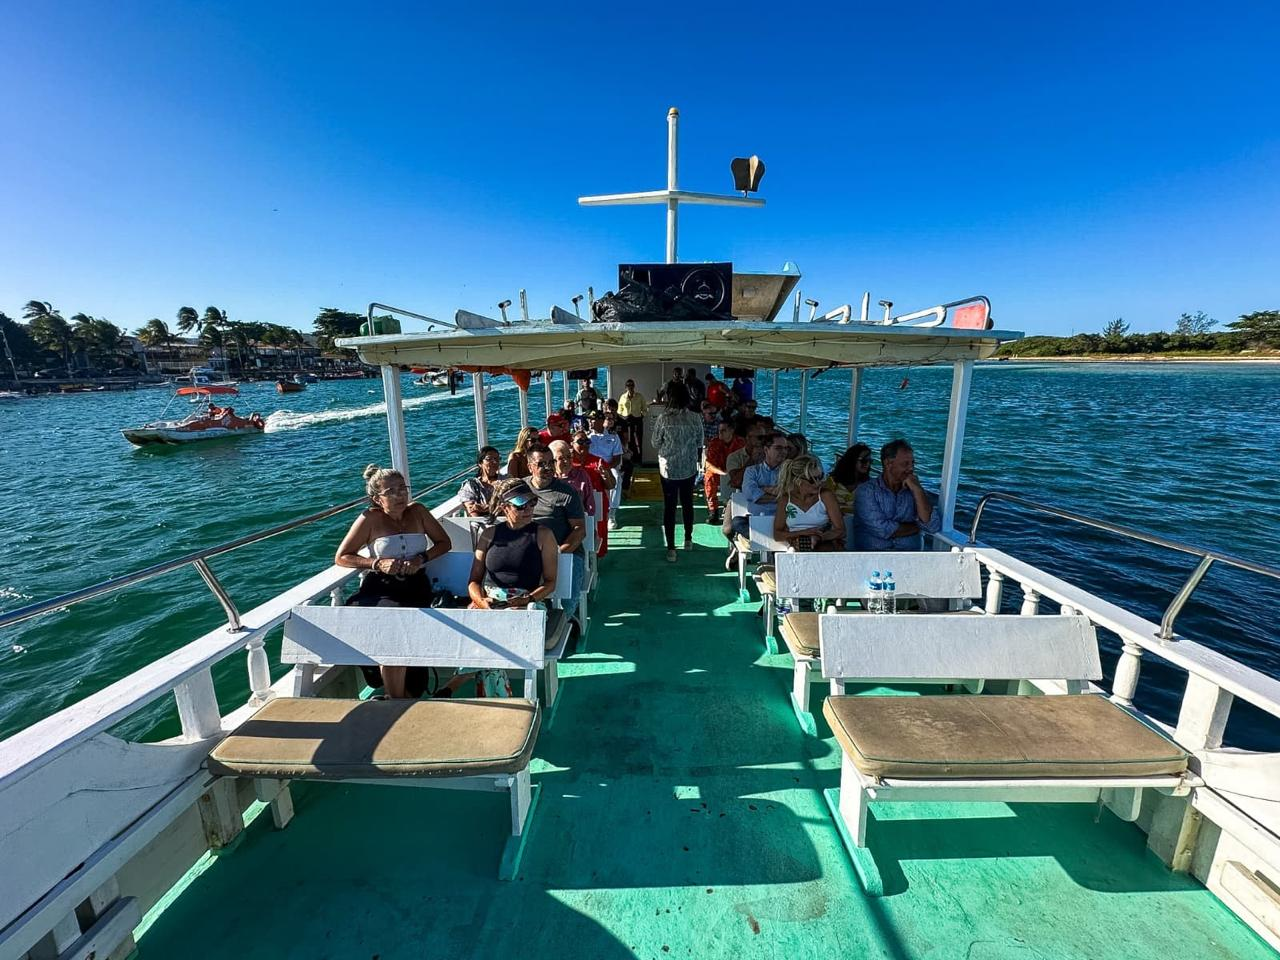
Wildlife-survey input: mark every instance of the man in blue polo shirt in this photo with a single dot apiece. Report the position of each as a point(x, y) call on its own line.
point(891, 511)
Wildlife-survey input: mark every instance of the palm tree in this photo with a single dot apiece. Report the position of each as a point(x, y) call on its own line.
point(154, 334)
point(49, 329)
point(188, 320)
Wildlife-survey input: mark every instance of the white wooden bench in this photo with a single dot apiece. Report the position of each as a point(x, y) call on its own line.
point(947, 577)
point(761, 544)
point(452, 572)
point(1076, 747)
point(474, 744)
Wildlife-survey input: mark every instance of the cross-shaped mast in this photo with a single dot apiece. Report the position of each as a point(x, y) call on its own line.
point(673, 196)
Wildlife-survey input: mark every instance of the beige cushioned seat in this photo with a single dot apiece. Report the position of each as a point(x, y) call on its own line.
point(768, 581)
point(742, 543)
point(965, 737)
point(314, 738)
point(800, 631)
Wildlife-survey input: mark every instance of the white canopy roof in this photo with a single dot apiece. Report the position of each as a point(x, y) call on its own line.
point(567, 346)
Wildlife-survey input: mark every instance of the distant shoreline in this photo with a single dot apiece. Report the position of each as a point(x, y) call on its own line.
point(1142, 358)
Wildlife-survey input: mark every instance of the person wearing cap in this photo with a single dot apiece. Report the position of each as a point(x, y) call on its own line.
point(559, 508)
point(557, 428)
point(515, 560)
point(602, 481)
point(607, 445)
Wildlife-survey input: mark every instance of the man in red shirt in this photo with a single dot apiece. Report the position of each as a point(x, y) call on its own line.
point(714, 470)
point(557, 428)
point(716, 393)
point(601, 481)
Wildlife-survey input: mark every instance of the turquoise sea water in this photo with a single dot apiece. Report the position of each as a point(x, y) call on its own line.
point(1189, 451)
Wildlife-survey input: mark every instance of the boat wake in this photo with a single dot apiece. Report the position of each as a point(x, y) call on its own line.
point(283, 420)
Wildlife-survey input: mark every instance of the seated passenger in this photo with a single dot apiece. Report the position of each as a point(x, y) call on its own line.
point(715, 472)
point(518, 458)
point(477, 491)
point(516, 559)
point(807, 517)
point(557, 428)
point(602, 482)
point(402, 537)
point(559, 508)
point(891, 511)
point(851, 471)
point(760, 482)
point(574, 475)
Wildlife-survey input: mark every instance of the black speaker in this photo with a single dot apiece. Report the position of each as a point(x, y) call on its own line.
point(709, 285)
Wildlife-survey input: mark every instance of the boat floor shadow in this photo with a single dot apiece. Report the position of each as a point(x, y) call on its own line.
point(681, 814)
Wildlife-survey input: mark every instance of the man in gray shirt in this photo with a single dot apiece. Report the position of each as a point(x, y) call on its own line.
point(559, 509)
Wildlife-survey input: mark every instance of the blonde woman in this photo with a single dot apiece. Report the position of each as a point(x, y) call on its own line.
point(808, 517)
point(518, 459)
point(393, 540)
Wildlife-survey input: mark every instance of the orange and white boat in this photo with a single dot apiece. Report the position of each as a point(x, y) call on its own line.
point(211, 423)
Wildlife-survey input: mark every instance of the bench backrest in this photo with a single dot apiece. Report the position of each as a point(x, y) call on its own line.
point(762, 539)
point(452, 572)
point(946, 646)
point(408, 637)
point(844, 575)
point(463, 531)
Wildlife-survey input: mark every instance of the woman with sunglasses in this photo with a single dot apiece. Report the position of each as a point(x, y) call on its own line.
point(808, 517)
point(477, 490)
point(393, 541)
point(516, 559)
point(851, 471)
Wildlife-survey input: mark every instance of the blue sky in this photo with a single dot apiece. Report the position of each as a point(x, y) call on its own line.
point(1074, 163)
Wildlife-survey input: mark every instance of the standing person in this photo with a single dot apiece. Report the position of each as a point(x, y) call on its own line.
point(807, 517)
point(607, 445)
point(559, 508)
point(717, 395)
point(632, 407)
point(477, 491)
point(744, 387)
point(588, 399)
point(518, 458)
point(891, 511)
point(696, 389)
point(401, 538)
point(715, 475)
point(677, 436)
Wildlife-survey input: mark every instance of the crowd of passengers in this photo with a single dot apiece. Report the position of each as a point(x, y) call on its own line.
point(706, 434)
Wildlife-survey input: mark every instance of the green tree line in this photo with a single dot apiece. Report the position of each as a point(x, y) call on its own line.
point(1192, 333)
point(48, 339)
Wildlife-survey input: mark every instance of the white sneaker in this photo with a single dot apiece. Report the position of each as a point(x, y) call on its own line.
point(613, 524)
point(671, 555)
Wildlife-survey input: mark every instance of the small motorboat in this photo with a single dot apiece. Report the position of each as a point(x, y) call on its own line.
point(11, 395)
point(211, 423)
point(439, 378)
point(296, 385)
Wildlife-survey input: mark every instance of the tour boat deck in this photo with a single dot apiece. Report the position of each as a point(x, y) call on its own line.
point(681, 814)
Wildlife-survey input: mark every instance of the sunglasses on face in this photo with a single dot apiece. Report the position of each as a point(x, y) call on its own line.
point(521, 504)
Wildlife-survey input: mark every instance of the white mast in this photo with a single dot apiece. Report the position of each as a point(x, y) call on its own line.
point(673, 196)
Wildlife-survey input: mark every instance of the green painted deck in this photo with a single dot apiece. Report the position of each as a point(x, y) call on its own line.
point(681, 815)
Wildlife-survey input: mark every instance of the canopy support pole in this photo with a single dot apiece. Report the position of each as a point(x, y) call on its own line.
point(482, 428)
point(546, 388)
point(673, 205)
point(954, 449)
point(567, 396)
point(773, 406)
point(395, 421)
point(855, 389)
point(524, 407)
point(804, 398)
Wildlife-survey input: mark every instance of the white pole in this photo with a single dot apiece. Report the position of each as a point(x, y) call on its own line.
point(773, 408)
point(855, 388)
point(954, 448)
point(795, 309)
point(673, 205)
point(804, 397)
point(395, 421)
point(546, 388)
point(477, 390)
point(866, 306)
point(567, 397)
point(524, 407)
point(524, 306)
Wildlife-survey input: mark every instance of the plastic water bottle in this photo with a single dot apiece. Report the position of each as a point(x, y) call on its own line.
point(890, 596)
point(875, 596)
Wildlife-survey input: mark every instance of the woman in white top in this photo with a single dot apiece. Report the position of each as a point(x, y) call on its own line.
point(808, 517)
point(393, 540)
point(677, 436)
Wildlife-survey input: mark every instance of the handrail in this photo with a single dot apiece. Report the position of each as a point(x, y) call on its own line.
point(939, 313)
point(197, 559)
point(405, 313)
point(1207, 557)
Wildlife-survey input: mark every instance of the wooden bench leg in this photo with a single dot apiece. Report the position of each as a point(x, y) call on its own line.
point(800, 679)
point(524, 798)
point(276, 793)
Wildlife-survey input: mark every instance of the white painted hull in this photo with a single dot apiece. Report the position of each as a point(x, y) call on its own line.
point(145, 436)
